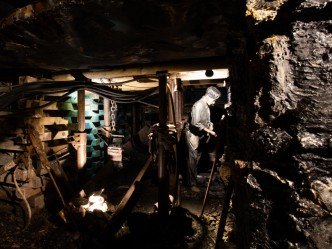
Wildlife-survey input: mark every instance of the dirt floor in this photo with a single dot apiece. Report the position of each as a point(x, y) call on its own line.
point(141, 230)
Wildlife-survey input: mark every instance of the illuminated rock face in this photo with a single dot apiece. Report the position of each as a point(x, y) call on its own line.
point(284, 135)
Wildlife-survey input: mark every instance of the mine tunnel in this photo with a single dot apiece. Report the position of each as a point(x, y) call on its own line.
point(165, 124)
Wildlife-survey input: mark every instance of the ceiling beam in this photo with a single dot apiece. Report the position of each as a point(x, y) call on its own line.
point(151, 69)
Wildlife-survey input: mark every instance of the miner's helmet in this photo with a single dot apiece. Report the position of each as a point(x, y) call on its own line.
point(213, 92)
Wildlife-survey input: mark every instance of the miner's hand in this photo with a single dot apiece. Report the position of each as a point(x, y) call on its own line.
point(213, 133)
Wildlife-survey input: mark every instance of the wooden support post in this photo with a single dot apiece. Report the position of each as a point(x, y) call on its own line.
point(163, 199)
point(81, 148)
point(107, 117)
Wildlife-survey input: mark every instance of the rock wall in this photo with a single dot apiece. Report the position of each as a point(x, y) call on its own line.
point(280, 133)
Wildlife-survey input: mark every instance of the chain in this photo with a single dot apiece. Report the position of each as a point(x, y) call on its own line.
point(114, 108)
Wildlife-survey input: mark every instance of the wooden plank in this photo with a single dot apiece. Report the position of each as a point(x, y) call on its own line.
point(5, 158)
point(11, 164)
point(72, 127)
point(37, 145)
point(52, 121)
point(32, 103)
point(9, 145)
point(58, 147)
point(5, 89)
point(57, 106)
point(47, 136)
point(69, 113)
point(52, 106)
point(61, 113)
point(56, 94)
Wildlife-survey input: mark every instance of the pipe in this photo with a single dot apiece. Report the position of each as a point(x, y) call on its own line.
point(81, 149)
point(178, 105)
point(163, 201)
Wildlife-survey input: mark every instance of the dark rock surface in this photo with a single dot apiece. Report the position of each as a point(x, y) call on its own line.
point(284, 199)
point(62, 35)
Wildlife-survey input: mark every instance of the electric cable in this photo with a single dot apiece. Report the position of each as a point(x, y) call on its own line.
point(24, 199)
point(41, 88)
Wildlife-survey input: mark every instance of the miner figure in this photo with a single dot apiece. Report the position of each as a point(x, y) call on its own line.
point(198, 131)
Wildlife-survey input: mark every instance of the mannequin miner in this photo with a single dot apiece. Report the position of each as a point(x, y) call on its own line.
point(198, 131)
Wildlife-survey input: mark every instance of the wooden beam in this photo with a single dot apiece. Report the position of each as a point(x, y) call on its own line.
point(149, 69)
point(47, 136)
point(9, 145)
point(50, 121)
point(81, 135)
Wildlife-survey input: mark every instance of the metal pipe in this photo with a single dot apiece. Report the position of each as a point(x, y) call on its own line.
point(178, 103)
point(163, 201)
point(81, 149)
point(177, 94)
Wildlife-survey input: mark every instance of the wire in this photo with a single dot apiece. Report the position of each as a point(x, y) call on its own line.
point(24, 199)
point(41, 88)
